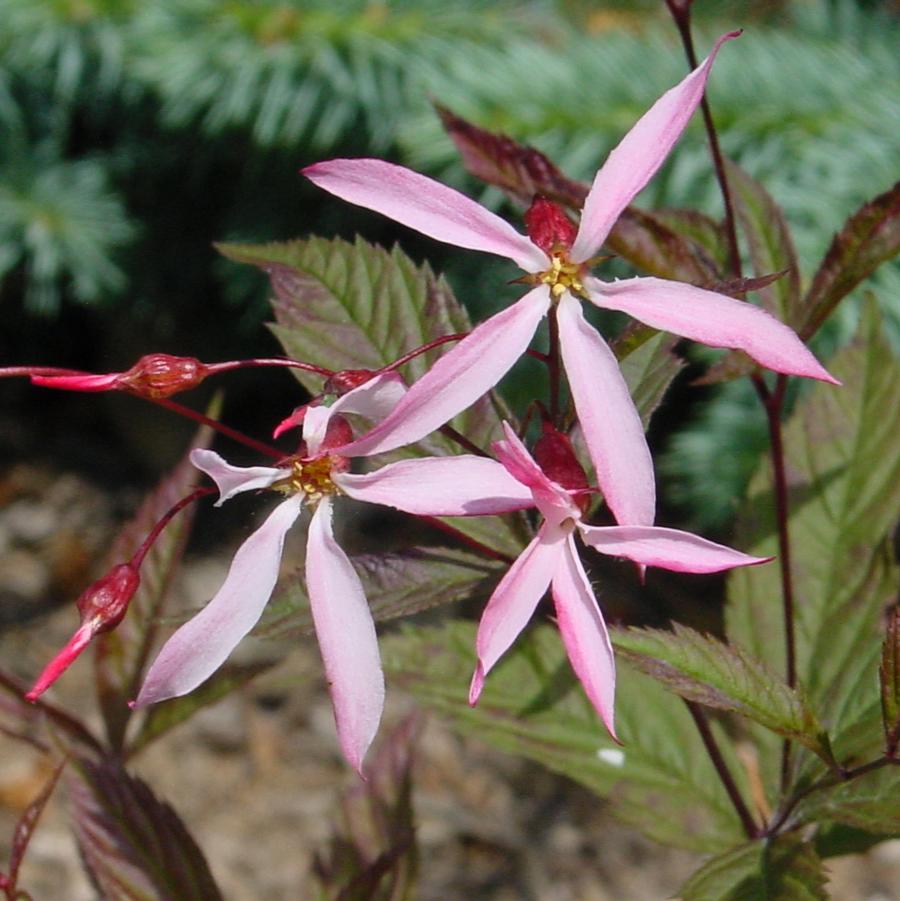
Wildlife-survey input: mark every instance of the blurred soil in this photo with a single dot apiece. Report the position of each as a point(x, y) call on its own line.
point(257, 778)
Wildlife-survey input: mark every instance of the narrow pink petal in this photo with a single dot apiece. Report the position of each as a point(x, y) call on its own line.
point(440, 486)
point(639, 154)
point(427, 206)
point(609, 421)
point(459, 377)
point(711, 319)
point(291, 422)
point(78, 382)
point(199, 647)
point(232, 480)
point(374, 400)
point(584, 634)
point(514, 600)
point(347, 639)
point(554, 502)
point(668, 548)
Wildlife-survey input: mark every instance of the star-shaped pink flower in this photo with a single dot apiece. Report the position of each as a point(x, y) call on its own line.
point(609, 421)
point(432, 486)
point(551, 561)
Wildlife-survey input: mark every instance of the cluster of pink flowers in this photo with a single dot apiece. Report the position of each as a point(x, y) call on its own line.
point(557, 258)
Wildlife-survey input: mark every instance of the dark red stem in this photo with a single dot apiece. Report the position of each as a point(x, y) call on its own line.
point(751, 828)
point(470, 542)
point(267, 361)
point(141, 552)
point(553, 366)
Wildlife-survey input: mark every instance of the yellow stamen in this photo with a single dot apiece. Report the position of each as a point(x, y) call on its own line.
point(563, 275)
point(309, 477)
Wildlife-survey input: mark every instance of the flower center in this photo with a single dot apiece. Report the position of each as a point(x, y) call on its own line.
point(311, 478)
point(563, 275)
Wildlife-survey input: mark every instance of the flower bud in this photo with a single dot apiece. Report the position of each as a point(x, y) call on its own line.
point(346, 380)
point(102, 607)
point(554, 453)
point(156, 376)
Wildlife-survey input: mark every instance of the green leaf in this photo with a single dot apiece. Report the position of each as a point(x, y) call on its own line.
point(122, 654)
point(836, 839)
point(703, 669)
point(770, 243)
point(375, 857)
point(780, 869)
point(357, 306)
point(867, 802)
point(649, 370)
point(659, 781)
point(869, 237)
point(396, 584)
point(163, 717)
point(843, 464)
point(889, 674)
point(134, 846)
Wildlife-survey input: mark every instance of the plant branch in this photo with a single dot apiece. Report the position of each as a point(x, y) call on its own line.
point(467, 540)
point(751, 828)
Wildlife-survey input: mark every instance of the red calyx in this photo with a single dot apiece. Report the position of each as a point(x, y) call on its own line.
point(161, 375)
point(346, 380)
point(548, 226)
point(102, 607)
point(554, 453)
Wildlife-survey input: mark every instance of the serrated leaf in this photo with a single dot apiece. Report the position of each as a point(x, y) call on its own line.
point(867, 802)
point(869, 237)
point(375, 857)
point(784, 868)
point(25, 827)
point(133, 845)
point(659, 781)
point(703, 669)
point(889, 674)
point(163, 717)
point(396, 584)
point(122, 654)
point(518, 169)
point(356, 306)
point(843, 464)
point(770, 243)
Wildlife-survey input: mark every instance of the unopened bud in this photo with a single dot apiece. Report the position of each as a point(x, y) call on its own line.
point(102, 607)
point(548, 226)
point(346, 380)
point(156, 376)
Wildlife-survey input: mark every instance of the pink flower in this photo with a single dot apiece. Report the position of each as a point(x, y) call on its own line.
point(559, 267)
point(436, 486)
point(551, 560)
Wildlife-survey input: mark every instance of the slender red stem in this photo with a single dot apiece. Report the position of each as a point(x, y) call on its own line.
point(553, 366)
point(467, 540)
point(230, 365)
point(141, 552)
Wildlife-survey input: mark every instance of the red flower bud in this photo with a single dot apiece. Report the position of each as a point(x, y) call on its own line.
point(102, 607)
point(346, 380)
point(548, 226)
point(161, 375)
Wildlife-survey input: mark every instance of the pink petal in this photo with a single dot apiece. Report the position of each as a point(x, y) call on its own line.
point(346, 637)
point(427, 206)
point(584, 634)
point(440, 486)
point(78, 382)
point(640, 153)
point(552, 500)
point(609, 421)
point(667, 548)
point(199, 647)
point(514, 600)
point(711, 319)
point(374, 400)
point(459, 377)
point(232, 480)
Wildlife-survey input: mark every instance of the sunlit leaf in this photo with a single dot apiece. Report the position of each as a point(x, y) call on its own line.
point(649, 370)
point(134, 846)
point(703, 669)
point(843, 465)
point(780, 869)
point(660, 780)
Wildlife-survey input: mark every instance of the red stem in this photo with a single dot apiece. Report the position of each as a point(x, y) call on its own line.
point(166, 518)
point(467, 540)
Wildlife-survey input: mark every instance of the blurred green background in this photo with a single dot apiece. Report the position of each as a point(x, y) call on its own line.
point(136, 134)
